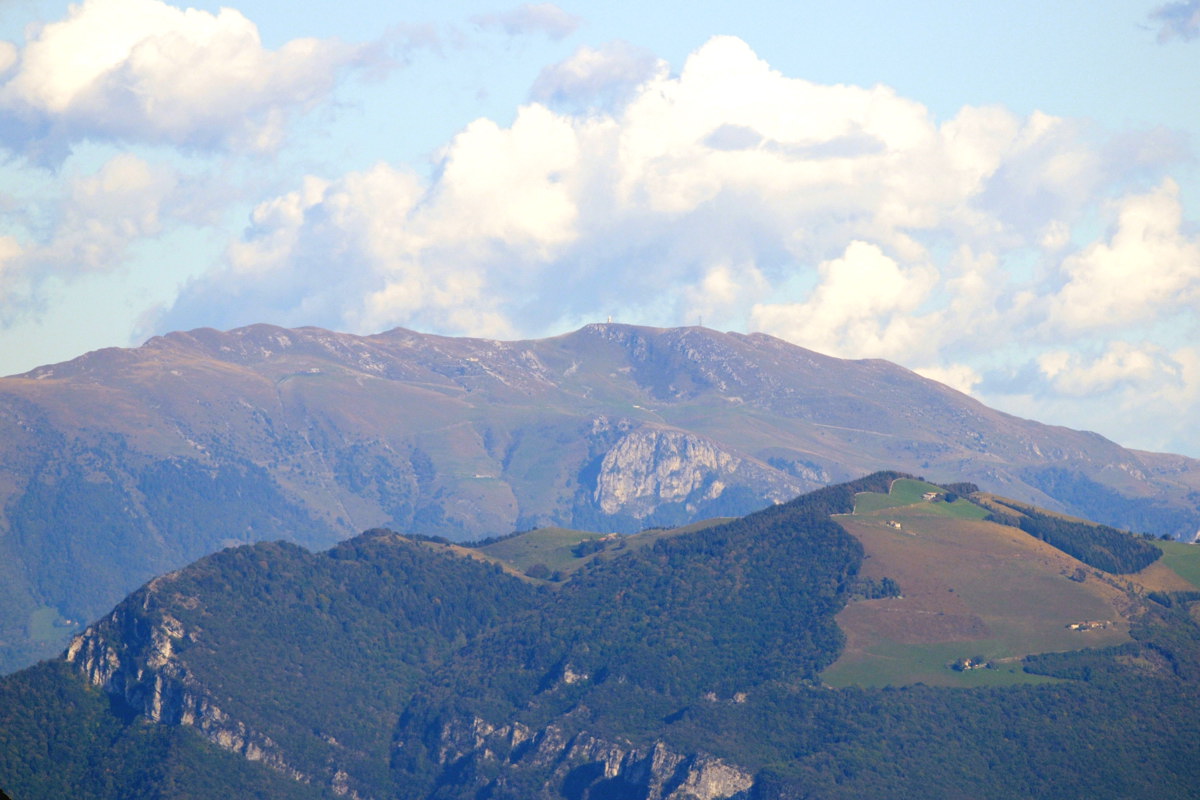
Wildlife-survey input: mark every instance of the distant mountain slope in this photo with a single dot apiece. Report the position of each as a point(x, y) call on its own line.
point(122, 464)
point(687, 664)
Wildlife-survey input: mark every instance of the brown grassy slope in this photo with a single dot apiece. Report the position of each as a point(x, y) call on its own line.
point(989, 589)
point(972, 587)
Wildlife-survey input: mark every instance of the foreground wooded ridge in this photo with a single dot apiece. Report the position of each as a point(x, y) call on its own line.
point(682, 663)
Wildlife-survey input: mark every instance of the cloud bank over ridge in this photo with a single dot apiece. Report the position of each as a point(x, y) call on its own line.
point(1040, 262)
point(845, 219)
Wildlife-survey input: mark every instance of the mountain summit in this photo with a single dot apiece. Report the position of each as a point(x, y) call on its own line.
point(126, 463)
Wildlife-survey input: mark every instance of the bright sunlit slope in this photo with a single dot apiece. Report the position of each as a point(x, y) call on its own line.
point(972, 588)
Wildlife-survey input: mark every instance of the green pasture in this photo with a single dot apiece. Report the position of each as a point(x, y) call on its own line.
point(890, 663)
point(45, 625)
point(555, 547)
point(1183, 558)
point(549, 546)
point(908, 492)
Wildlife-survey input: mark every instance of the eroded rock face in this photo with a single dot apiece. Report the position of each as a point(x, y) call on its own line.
point(648, 467)
point(131, 654)
point(582, 764)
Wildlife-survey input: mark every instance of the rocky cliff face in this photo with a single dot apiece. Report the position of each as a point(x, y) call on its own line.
point(650, 467)
point(131, 655)
point(581, 764)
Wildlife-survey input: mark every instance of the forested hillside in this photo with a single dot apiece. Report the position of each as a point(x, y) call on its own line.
point(673, 663)
point(1100, 546)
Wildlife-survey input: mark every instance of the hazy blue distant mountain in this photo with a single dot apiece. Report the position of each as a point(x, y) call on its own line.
point(123, 464)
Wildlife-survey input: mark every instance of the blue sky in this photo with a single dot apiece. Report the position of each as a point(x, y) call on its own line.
point(1004, 197)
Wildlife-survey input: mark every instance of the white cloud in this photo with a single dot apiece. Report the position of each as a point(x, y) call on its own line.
point(106, 212)
point(145, 71)
point(1056, 235)
point(363, 252)
point(727, 168)
point(8, 56)
point(378, 248)
point(1145, 394)
point(862, 307)
point(276, 227)
point(10, 279)
point(961, 377)
point(721, 294)
point(1148, 267)
point(1120, 365)
point(846, 219)
point(91, 229)
point(527, 18)
point(596, 77)
point(1048, 171)
point(514, 185)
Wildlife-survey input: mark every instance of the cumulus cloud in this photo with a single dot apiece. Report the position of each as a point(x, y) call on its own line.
point(961, 377)
point(603, 77)
point(862, 306)
point(1048, 171)
point(93, 225)
point(1146, 268)
point(1147, 392)
point(1121, 364)
point(515, 185)
point(843, 218)
point(529, 18)
point(105, 212)
point(11, 281)
point(828, 202)
point(1179, 20)
point(379, 248)
point(721, 294)
point(145, 71)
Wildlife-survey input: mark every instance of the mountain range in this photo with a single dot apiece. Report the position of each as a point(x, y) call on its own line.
point(127, 463)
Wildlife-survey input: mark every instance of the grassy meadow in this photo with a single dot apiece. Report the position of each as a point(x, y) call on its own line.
point(1183, 559)
point(969, 588)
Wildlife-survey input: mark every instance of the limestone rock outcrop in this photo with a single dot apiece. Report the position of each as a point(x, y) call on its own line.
point(650, 466)
point(131, 656)
point(582, 763)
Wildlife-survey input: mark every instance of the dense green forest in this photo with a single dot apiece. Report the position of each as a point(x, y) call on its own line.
point(60, 739)
point(389, 666)
point(185, 507)
point(801, 739)
point(1114, 551)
